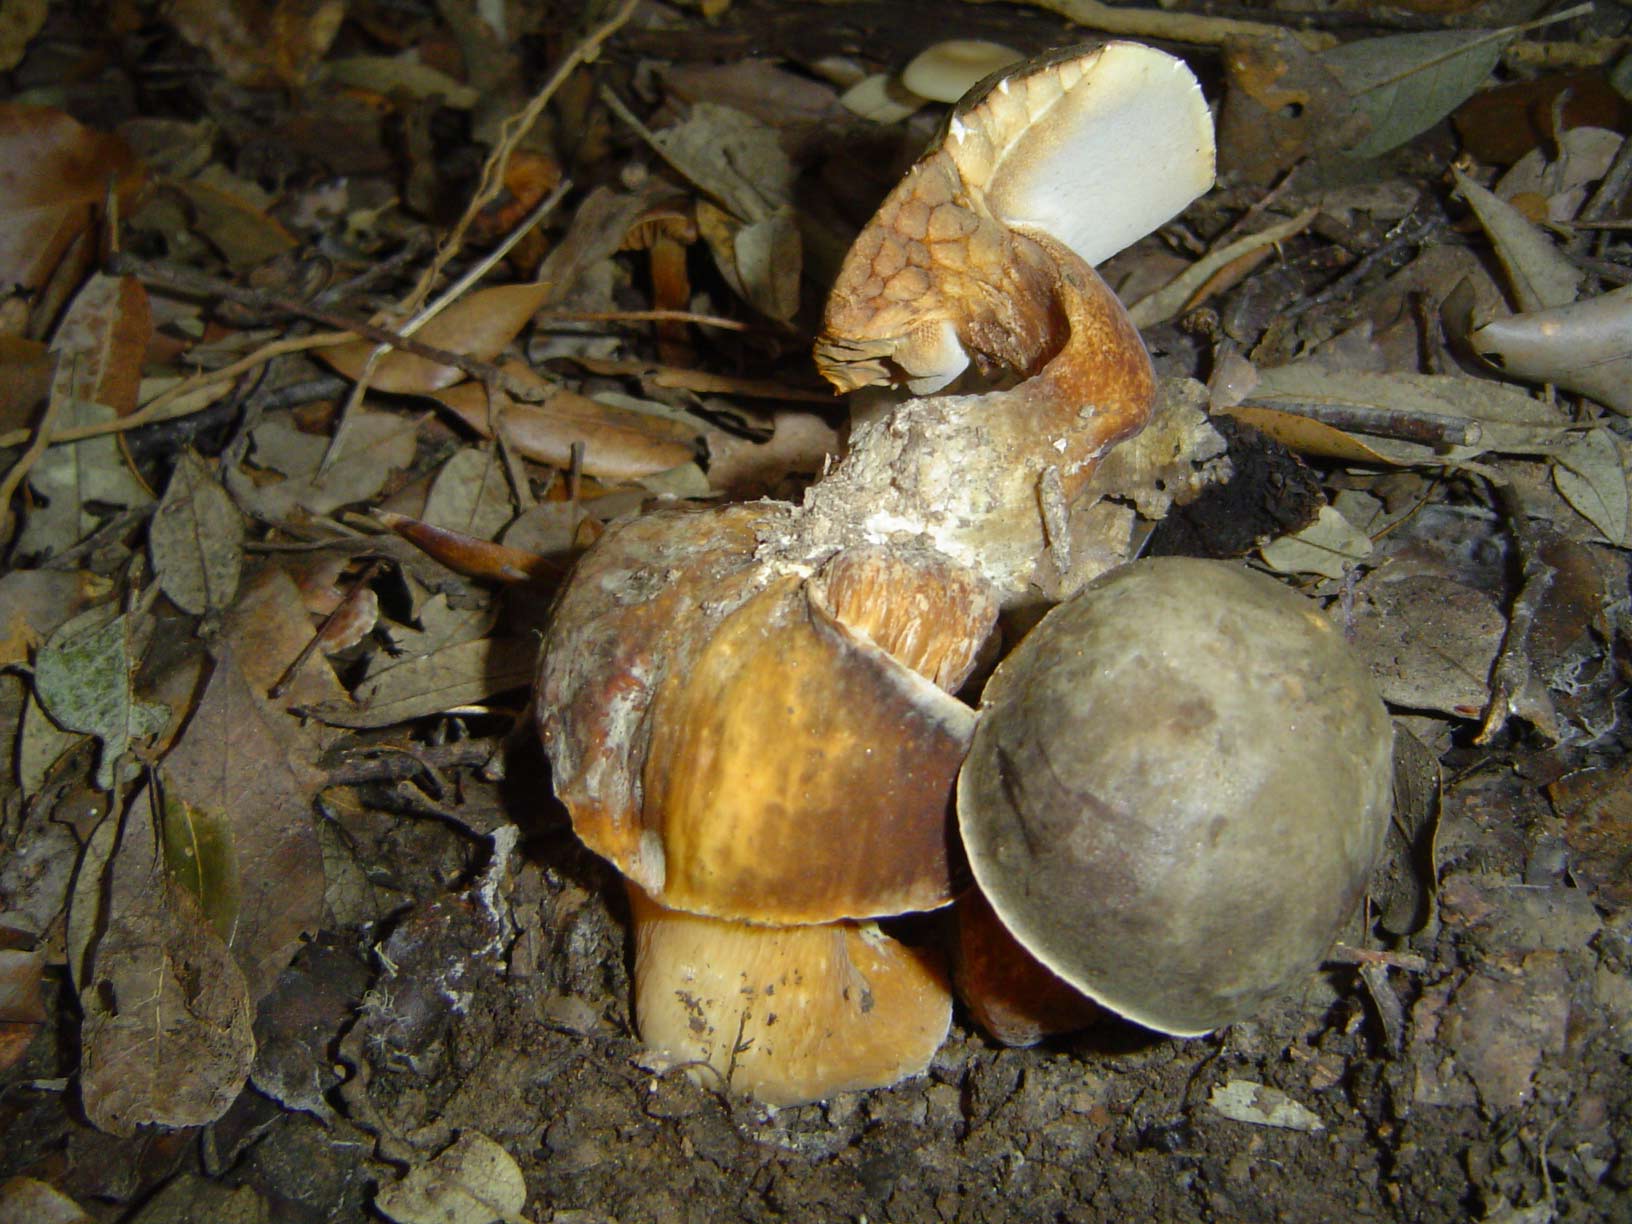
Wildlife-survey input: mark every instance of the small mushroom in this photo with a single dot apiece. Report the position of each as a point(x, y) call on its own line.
point(664, 231)
point(1177, 791)
point(945, 71)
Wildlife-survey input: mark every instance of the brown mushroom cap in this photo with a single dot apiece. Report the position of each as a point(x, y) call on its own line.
point(1177, 791)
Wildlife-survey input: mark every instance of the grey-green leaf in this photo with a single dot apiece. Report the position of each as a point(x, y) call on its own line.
point(1406, 83)
point(82, 678)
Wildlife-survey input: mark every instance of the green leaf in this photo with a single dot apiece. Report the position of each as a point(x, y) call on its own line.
point(1406, 83)
point(82, 678)
point(201, 858)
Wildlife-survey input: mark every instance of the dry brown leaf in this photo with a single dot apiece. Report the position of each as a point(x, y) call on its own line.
point(415, 687)
point(479, 325)
point(229, 215)
point(229, 765)
point(101, 341)
point(375, 445)
point(166, 1035)
point(25, 380)
point(1307, 437)
point(32, 604)
point(1584, 346)
point(20, 21)
point(470, 494)
point(1540, 274)
point(196, 539)
point(618, 444)
point(25, 1198)
point(261, 42)
point(54, 177)
point(1592, 475)
point(1430, 642)
point(22, 1004)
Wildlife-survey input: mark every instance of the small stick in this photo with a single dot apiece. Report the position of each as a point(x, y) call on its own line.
point(641, 316)
point(1428, 428)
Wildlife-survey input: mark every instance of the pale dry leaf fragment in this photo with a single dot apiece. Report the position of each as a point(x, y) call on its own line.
point(33, 602)
point(22, 1004)
point(261, 42)
point(732, 158)
point(473, 1181)
point(1260, 1105)
point(101, 341)
point(454, 676)
point(441, 625)
point(1330, 546)
point(82, 677)
point(479, 325)
point(1168, 301)
point(40, 745)
point(25, 1198)
point(196, 539)
point(75, 479)
point(1584, 157)
point(470, 494)
point(1591, 473)
point(20, 21)
point(228, 781)
point(768, 258)
point(166, 1035)
point(881, 99)
point(231, 214)
point(394, 74)
point(1406, 83)
point(1583, 346)
point(375, 444)
point(1537, 271)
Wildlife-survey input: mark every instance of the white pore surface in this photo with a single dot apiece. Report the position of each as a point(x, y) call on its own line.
point(1123, 151)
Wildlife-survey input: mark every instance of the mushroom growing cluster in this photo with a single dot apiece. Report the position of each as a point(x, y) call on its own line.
point(749, 709)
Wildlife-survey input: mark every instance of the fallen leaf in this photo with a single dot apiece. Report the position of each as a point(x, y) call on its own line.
point(166, 1035)
point(1537, 270)
point(54, 177)
point(1583, 346)
point(479, 325)
point(22, 1006)
point(1596, 808)
point(77, 479)
point(32, 604)
point(470, 494)
point(1592, 476)
point(1406, 83)
point(1258, 1105)
point(474, 1181)
point(230, 214)
point(399, 74)
point(1330, 546)
point(26, 1199)
point(260, 42)
point(458, 675)
point(196, 539)
point(82, 678)
point(732, 158)
point(375, 445)
point(20, 21)
point(238, 829)
point(1430, 642)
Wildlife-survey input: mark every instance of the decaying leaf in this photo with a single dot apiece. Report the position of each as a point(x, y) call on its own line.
point(231, 214)
point(196, 539)
point(1259, 1105)
point(54, 176)
point(82, 678)
point(26, 1198)
point(1402, 888)
point(1583, 346)
point(1430, 641)
point(32, 604)
point(1596, 807)
point(166, 1037)
point(475, 1181)
point(1406, 83)
point(22, 1005)
point(454, 676)
point(100, 343)
point(261, 42)
point(1591, 473)
point(479, 325)
point(732, 158)
point(238, 830)
point(375, 444)
point(20, 21)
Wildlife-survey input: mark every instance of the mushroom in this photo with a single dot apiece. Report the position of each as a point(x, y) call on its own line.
point(1177, 791)
point(945, 71)
point(748, 709)
point(664, 231)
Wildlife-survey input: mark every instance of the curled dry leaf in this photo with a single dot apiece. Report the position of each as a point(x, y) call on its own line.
point(1583, 346)
point(54, 176)
point(1536, 269)
point(474, 1181)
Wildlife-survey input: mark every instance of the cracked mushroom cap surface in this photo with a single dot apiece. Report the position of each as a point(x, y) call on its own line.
point(1093, 147)
point(1177, 791)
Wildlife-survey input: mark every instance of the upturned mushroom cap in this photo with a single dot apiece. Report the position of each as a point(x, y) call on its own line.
point(945, 71)
point(1177, 791)
point(786, 1014)
point(1092, 148)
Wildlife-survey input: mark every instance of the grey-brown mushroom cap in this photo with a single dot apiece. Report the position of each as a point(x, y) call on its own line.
point(1177, 791)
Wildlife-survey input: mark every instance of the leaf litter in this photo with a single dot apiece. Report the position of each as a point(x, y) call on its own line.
point(260, 820)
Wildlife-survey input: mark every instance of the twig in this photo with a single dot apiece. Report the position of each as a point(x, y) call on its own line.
point(40, 442)
point(1428, 428)
point(642, 316)
point(514, 129)
point(287, 678)
point(1179, 27)
point(185, 280)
